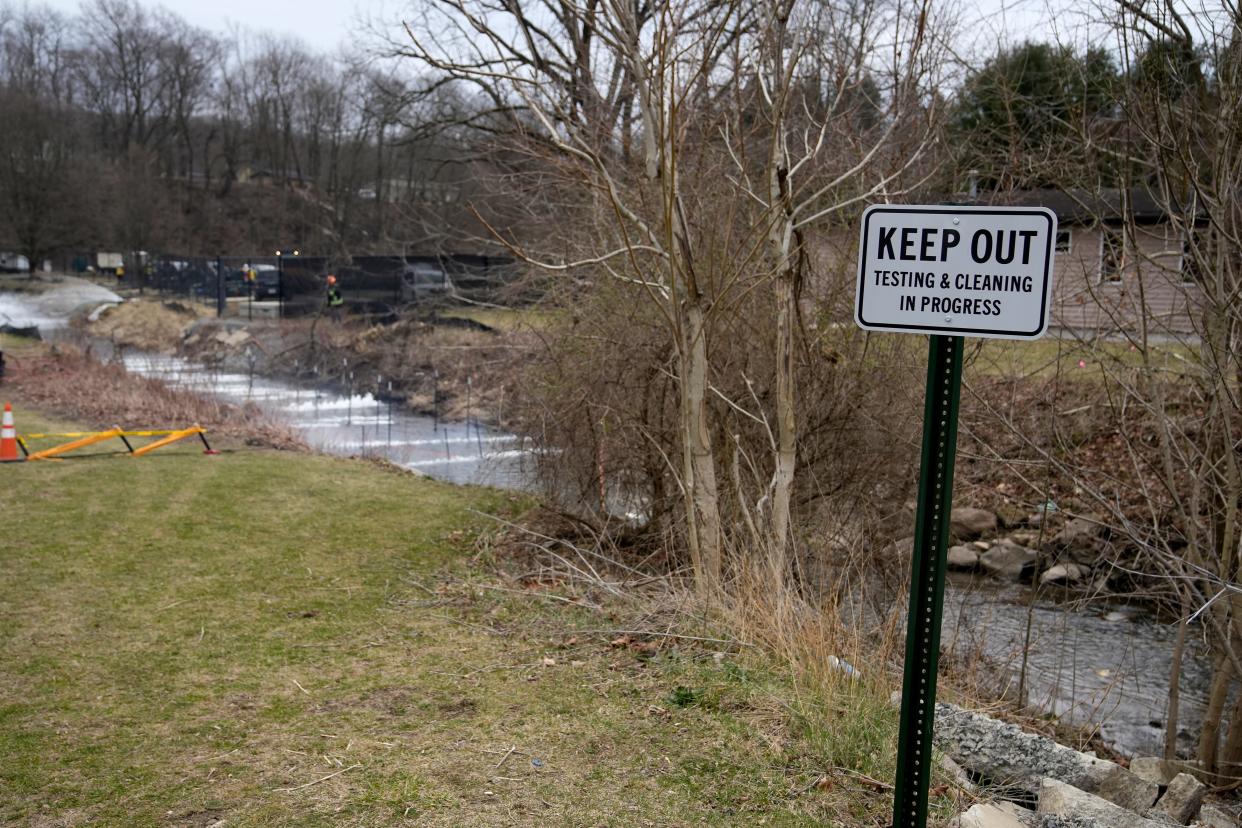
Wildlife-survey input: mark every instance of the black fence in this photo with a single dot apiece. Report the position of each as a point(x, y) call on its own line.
point(296, 285)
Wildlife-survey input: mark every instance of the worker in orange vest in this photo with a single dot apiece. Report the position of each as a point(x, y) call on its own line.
point(336, 302)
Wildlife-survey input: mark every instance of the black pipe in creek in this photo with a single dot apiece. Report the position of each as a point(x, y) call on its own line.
point(250, 357)
point(478, 433)
point(349, 398)
point(221, 297)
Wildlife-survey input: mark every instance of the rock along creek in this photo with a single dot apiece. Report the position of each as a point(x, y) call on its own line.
point(1101, 666)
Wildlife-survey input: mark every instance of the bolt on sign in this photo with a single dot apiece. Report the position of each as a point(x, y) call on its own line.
point(969, 271)
point(950, 272)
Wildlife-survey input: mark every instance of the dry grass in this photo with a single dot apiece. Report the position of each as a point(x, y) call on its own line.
point(270, 638)
point(67, 380)
point(149, 326)
point(829, 670)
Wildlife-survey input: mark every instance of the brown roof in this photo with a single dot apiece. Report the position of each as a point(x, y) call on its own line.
point(1081, 206)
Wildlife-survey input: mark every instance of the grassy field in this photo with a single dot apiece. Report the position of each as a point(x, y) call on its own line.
point(506, 319)
point(267, 638)
point(1071, 359)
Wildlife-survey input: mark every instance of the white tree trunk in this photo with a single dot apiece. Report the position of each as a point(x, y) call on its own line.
point(781, 239)
point(702, 500)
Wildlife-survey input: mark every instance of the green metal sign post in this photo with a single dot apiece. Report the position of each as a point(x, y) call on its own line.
point(931, 536)
point(948, 271)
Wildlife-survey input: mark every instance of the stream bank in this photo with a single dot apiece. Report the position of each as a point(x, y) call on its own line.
point(357, 424)
point(445, 367)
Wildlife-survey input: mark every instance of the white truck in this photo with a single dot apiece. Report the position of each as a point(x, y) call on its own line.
point(14, 263)
point(109, 263)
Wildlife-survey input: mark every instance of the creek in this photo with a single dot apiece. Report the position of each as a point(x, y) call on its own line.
point(1098, 665)
point(352, 424)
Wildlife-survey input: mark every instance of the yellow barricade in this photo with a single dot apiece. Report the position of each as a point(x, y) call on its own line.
point(171, 438)
point(89, 440)
point(158, 433)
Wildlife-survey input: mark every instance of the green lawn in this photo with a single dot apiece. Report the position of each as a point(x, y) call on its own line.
point(271, 638)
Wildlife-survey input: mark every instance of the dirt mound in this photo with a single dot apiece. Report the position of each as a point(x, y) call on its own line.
point(151, 326)
point(212, 340)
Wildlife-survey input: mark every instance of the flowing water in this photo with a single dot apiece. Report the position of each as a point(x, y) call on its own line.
point(358, 424)
point(1101, 666)
point(1104, 666)
point(344, 424)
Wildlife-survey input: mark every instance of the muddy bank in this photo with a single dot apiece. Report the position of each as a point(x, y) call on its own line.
point(449, 369)
point(158, 327)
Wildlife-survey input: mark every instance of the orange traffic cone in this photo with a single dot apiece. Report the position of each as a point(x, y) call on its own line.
point(8, 438)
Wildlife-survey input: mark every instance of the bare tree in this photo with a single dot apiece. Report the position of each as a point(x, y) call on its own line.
point(655, 116)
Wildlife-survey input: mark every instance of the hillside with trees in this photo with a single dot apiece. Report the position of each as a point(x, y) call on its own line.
point(128, 128)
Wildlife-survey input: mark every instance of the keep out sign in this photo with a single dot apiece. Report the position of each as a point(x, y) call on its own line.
point(963, 271)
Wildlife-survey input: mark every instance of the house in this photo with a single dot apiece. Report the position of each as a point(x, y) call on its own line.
point(1112, 276)
point(268, 177)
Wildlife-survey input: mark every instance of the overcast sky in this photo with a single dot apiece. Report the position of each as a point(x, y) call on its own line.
point(327, 25)
point(322, 24)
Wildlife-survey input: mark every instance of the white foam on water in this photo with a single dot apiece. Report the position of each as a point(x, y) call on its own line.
point(465, 458)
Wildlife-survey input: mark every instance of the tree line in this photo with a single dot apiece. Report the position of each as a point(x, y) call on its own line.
point(127, 128)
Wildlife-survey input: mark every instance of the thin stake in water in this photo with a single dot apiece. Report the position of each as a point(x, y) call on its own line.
point(250, 387)
point(478, 435)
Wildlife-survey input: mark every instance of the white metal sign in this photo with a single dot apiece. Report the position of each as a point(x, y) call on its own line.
point(957, 271)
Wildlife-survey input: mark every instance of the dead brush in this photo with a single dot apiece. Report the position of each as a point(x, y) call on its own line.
point(632, 605)
point(70, 382)
point(587, 569)
point(821, 637)
point(820, 640)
